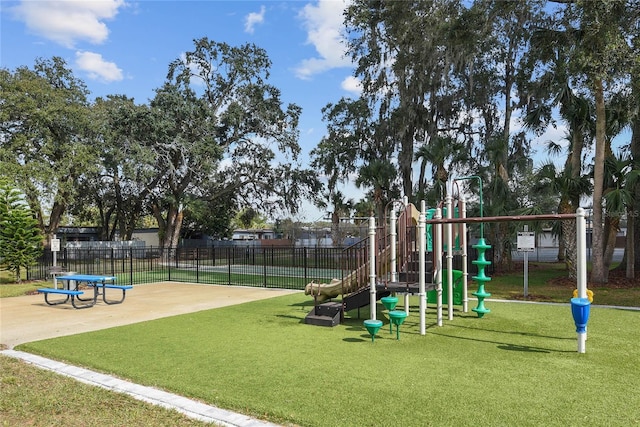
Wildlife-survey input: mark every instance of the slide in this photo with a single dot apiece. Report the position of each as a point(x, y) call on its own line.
point(337, 287)
point(333, 289)
point(324, 291)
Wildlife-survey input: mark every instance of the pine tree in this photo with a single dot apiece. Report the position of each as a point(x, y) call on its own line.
point(20, 237)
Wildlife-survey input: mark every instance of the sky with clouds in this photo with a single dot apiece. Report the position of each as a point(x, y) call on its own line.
point(125, 47)
point(121, 46)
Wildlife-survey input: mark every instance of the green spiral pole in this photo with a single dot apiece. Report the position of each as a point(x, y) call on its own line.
point(481, 262)
point(481, 278)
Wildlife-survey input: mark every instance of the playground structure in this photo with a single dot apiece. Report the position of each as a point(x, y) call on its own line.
point(401, 256)
point(390, 272)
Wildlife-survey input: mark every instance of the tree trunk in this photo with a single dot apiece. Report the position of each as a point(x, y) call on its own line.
point(502, 249)
point(598, 274)
point(129, 221)
point(421, 181)
point(177, 227)
point(575, 159)
point(379, 208)
point(162, 225)
point(568, 239)
point(168, 227)
point(562, 247)
point(634, 239)
point(611, 227)
point(56, 215)
point(629, 245)
point(569, 202)
point(336, 236)
point(563, 207)
point(405, 158)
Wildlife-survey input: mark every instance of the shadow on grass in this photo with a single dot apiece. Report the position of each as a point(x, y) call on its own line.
point(524, 334)
point(507, 346)
point(288, 316)
point(512, 347)
point(302, 304)
point(306, 303)
point(358, 340)
point(431, 329)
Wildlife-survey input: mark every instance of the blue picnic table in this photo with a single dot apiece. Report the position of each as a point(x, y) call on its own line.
point(73, 283)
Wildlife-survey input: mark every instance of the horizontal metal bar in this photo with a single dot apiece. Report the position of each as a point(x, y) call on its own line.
point(541, 217)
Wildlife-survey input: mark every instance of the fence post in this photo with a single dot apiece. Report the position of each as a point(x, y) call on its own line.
point(229, 262)
point(131, 266)
point(264, 266)
point(197, 265)
point(167, 255)
point(315, 256)
point(304, 263)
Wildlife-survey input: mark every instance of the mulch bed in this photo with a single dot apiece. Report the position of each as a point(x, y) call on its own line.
point(617, 280)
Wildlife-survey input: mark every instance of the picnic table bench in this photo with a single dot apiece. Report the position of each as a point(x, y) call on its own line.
point(123, 288)
point(71, 290)
point(74, 295)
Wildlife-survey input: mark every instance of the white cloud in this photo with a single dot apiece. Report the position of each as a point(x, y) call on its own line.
point(324, 24)
point(66, 22)
point(97, 68)
point(253, 19)
point(352, 84)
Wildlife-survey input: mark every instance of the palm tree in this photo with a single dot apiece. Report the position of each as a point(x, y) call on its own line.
point(601, 53)
point(633, 227)
point(568, 188)
point(436, 153)
point(619, 199)
point(505, 160)
point(380, 176)
point(589, 44)
point(341, 207)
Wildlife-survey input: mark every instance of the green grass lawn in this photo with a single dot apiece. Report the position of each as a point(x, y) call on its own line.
point(516, 366)
point(30, 396)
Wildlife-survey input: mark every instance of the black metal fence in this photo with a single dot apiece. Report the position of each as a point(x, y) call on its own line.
point(260, 266)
